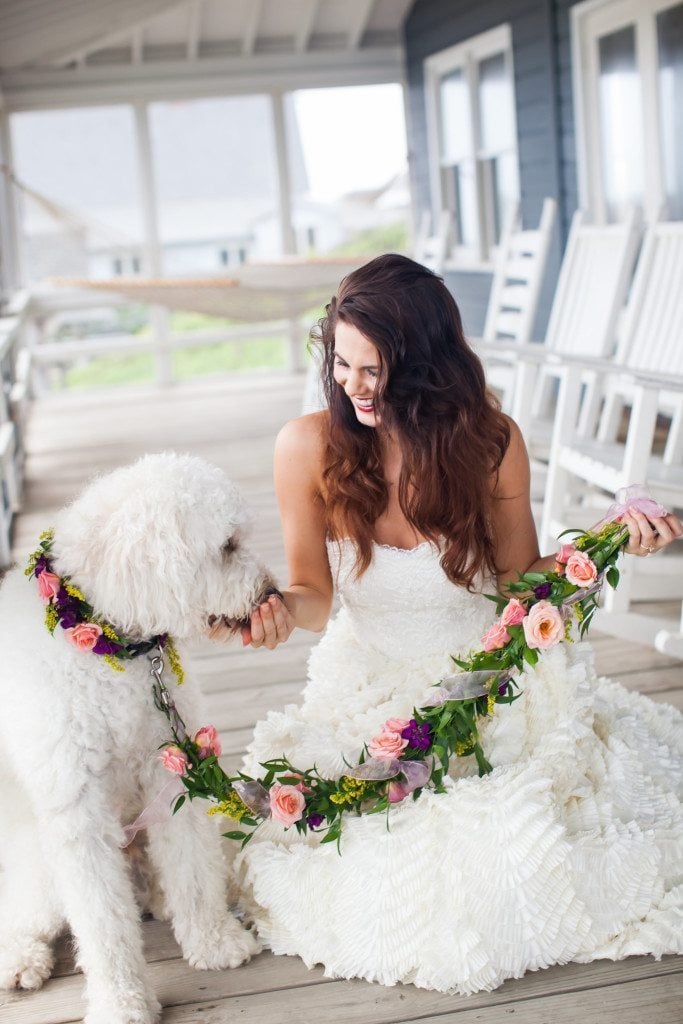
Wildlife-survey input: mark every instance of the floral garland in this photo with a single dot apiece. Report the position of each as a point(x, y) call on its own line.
point(535, 614)
point(66, 606)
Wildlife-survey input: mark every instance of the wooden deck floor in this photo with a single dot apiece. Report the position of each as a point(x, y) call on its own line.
point(233, 424)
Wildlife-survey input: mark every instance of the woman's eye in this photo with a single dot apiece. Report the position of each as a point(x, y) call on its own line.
point(372, 373)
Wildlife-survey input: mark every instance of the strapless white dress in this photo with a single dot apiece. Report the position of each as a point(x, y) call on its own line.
point(571, 849)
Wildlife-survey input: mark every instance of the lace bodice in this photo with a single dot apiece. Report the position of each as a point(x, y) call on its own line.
point(404, 605)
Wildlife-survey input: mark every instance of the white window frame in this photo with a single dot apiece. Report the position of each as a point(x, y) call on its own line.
point(466, 57)
point(590, 21)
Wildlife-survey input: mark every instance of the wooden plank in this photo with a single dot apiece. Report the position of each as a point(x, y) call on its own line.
point(356, 1002)
point(658, 1000)
point(273, 989)
point(176, 983)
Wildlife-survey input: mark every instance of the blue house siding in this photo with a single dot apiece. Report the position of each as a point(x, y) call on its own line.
point(542, 69)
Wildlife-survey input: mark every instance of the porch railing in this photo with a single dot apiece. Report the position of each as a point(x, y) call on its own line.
point(29, 348)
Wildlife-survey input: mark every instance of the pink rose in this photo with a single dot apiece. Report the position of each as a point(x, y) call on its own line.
point(563, 556)
point(84, 635)
point(208, 742)
point(513, 613)
point(388, 743)
point(397, 791)
point(580, 570)
point(174, 760)
point(396, 725)
point(48, 585)
point(287, 803)
point(495, 637)
point(543, 626)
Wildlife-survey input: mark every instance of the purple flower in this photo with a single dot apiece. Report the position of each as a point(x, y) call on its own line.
point(542, 591)
point(41, 565)
point(313, 820)
point(68, 619)
point(419, 736)
point(502, 689)
point(105, 646)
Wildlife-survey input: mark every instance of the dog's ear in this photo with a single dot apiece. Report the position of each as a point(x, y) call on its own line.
point(147, 569)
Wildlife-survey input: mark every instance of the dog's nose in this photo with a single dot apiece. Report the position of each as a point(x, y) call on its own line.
point(270, 591)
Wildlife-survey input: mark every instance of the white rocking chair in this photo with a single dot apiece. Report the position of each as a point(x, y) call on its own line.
point(583, 468)
point(513, 301)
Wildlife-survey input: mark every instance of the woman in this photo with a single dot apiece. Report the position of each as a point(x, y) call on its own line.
point(411, 496)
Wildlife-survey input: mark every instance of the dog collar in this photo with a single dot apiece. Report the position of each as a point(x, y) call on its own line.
point(66, 606)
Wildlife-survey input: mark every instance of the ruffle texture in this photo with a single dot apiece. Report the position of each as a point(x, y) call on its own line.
point(571, 849)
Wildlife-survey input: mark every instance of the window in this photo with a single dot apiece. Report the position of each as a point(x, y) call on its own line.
point(628, 83)
point(473, 140)
point(216, 180)
point(79, 199)
point(354, 200)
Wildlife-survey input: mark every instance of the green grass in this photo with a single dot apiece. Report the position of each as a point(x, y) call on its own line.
point(206, 360)
point(111, 371)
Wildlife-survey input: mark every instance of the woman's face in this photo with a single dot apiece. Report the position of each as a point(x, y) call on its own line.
point(356, 370)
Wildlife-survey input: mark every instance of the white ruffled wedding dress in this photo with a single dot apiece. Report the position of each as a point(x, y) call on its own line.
point(571, 849)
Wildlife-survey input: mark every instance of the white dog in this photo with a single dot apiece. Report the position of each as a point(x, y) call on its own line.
point(155, 548)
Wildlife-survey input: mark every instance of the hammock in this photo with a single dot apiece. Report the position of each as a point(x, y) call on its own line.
point(286, 289)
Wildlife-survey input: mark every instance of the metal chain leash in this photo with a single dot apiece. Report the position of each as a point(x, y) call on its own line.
point(162, 698)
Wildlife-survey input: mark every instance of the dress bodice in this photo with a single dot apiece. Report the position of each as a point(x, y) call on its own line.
point(404, 604)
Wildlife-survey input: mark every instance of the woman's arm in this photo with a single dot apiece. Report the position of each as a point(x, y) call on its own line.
point(515, 532)
point(308, 597)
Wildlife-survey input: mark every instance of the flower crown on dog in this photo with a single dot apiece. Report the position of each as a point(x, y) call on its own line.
point(67, 606)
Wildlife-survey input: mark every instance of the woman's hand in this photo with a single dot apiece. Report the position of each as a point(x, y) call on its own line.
point(271, 624)
point(649, 535)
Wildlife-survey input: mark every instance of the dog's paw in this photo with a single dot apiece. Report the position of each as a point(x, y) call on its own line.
point(134, 1010)
point(25, 962)
point(228, 946)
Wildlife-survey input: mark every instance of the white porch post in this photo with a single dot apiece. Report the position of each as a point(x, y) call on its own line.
point(12, 268)
point(296, 361)
point(159, 315)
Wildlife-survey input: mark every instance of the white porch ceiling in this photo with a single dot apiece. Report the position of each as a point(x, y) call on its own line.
point(49, 34)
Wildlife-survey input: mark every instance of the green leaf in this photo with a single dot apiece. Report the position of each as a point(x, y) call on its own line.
point(179, 803)
point(237, 835)
point(530, 655)
point(612, 576)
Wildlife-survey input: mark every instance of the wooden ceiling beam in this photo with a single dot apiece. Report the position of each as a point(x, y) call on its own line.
point(361, 16)
point(305, 28)
point(252, 27)
point(194, 33)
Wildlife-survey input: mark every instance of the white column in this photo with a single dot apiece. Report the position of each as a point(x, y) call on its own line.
point(159, 315)
point(294, 333)
point(13, 276)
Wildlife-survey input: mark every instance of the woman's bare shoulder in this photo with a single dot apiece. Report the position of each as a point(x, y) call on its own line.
point(302, 441)
point(513, 472)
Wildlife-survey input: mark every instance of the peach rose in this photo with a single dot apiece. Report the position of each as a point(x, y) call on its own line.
point(84, 635)
point(562, 557)
point(208, 742)
point(48, 585)
point(513, 613)
point(388, 743)
point(396, 725)
point(174, 760)
point(495, 637)
point(580, 570)
point(543, 626)
point(287, 803)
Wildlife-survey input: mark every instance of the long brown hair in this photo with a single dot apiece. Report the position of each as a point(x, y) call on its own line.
point(431, 395)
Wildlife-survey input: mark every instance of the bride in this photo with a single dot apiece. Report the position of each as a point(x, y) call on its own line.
point(410, 496)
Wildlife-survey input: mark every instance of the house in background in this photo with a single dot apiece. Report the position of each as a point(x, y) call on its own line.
point(519, 100)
